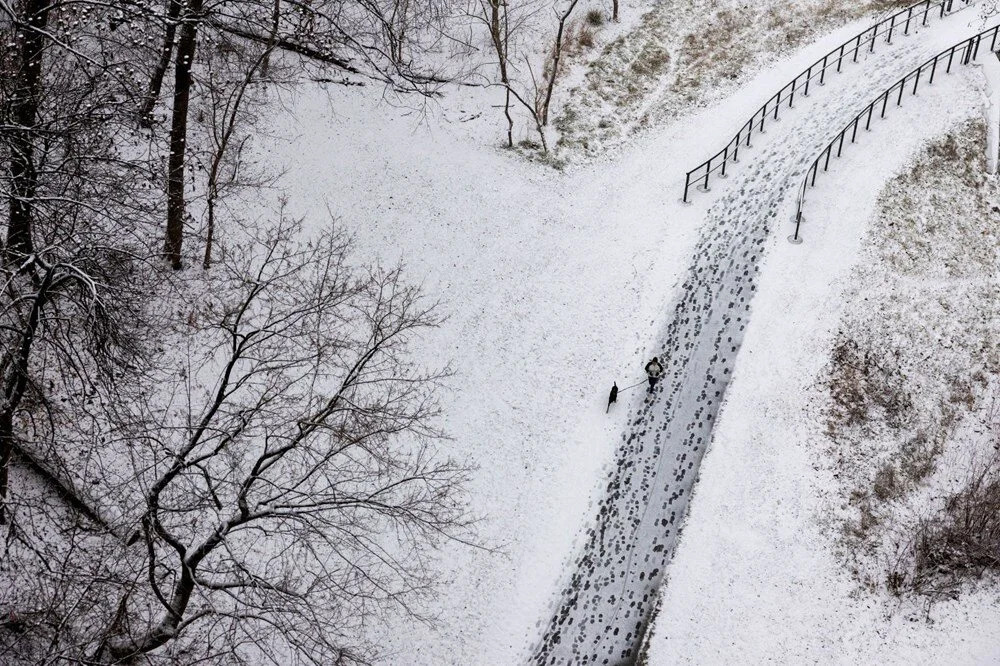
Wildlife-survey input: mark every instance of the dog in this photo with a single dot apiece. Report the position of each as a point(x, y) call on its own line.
point(613, 397)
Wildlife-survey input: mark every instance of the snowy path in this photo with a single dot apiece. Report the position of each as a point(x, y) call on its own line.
point(606, 606)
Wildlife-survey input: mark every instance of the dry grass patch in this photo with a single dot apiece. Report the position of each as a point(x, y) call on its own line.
point(904, 389)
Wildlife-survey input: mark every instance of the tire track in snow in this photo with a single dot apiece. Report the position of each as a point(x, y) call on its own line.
point(606, 607)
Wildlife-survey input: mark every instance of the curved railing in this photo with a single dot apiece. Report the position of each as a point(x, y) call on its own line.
point(904, 19)
point(968, 50)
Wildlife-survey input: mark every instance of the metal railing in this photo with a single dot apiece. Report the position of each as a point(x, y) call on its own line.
point(903, 19)
point(967, 50)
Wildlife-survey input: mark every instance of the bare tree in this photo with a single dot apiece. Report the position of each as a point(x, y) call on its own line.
point(297, 491)
point(496, 16)
point(325, 33)
point(226, 109)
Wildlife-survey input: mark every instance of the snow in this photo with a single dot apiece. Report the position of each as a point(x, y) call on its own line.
point(557, 284)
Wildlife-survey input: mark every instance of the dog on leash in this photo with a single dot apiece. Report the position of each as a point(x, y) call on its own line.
point(613, 397)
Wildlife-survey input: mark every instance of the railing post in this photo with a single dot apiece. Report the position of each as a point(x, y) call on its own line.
point(871, 49)
point(868, 123)
point(815, 169)
point(902, 84)
point(840, 148)
point(951, 56)
point(809, 73)
point(993, 44)
point(794, 238)
point(892, 24)
point(857, 48)
point(829, 150)
point(822, 74)
point(916, 79)
point(708, 171)
point(927, 9)
point(885, 101)
point(791, 95)
point(975, 53)
point(687, 186)
point(725, 160)
point(854, 134)
point(840, 58)
point(933, 69)
point(909, 15)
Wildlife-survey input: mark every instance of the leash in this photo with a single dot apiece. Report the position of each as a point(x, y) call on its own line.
point(639, 383)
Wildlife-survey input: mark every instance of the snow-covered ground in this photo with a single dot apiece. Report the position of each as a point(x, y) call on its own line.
point(558, 284)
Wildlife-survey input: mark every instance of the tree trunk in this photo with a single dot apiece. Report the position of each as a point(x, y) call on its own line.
point(614, 10)
point(556, 56)
point(273, 39)
point(123, 648)
point(15, 384)
point(24, 115)
point(178, 132)
point(167, 50)
point(499, 37)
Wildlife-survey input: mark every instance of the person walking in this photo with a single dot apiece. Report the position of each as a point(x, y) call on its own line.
point(653, 372)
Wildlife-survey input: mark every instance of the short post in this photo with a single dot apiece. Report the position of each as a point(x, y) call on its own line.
point(795, 239)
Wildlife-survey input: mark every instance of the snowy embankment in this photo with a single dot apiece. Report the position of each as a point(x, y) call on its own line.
point(556, 285)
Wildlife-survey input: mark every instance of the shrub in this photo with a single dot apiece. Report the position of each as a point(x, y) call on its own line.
point(963, 541)
point(595, 17)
